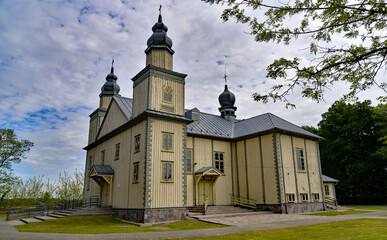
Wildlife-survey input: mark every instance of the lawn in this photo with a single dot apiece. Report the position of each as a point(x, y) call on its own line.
point(337, 213)
point(107, 224)
point(353, 229)
point(366, 207)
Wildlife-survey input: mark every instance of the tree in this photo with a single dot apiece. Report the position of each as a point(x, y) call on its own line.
point(361, 23)
point(12, 151)
point(350, 152)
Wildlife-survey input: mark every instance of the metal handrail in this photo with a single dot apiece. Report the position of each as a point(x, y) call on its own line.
point(243, 201)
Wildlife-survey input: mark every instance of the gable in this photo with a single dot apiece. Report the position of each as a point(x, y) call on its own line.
point(113, 119)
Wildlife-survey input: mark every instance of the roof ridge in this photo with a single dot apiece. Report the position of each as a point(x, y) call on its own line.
point(122, 97)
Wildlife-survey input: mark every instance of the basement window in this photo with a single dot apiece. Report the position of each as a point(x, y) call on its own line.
point(291, 197)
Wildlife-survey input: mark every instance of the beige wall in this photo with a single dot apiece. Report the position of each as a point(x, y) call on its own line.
point(113, 119)
point(223, 185)
point(271, 191)
point(167, 194)
point(160, 58)
point(254, 169)
point(157, 85)
point(140, 97)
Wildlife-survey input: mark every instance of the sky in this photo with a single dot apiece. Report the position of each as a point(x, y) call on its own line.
point(55, 55)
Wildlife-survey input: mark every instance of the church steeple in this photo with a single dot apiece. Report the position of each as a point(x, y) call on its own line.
point(227, 101)
point(109, 89)
point(159, 52)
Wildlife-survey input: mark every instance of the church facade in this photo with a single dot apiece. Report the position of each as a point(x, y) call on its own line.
point(149, 158)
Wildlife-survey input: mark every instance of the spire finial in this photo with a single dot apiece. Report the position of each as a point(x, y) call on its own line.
point(160, 9)
point(225, 76)
point(112, 69)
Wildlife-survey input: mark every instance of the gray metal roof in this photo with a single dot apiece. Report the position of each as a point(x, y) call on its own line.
point(125, 104)
point(103, 169)
point(328, 179)
point(216, 126)
point(205, 169)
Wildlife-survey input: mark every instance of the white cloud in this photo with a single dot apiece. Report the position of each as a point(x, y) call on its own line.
point(55, 55)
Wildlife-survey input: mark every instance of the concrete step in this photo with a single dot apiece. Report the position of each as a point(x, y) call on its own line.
point(16, 222)
point(55, 215)
point(44, 218)
point(204, 217)
point(30, 220)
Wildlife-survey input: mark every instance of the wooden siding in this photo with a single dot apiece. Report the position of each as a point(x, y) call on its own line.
point(302, 176)
point(241, 162)
point(270, 179)
point(190, 177)
point(254, 169)
point(140, 97)
point(289, 170)
point(223, 185)
point(94, 127)
point(157, 102)
point(166, 194)
point(313, 168)
point(160, 58)
point(113, 119)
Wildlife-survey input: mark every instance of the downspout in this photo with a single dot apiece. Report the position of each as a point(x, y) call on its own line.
point(283, 174)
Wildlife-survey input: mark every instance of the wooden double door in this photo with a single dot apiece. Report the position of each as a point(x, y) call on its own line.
point(205, 191)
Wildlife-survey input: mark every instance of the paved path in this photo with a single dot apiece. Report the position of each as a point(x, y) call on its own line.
point(240, 224)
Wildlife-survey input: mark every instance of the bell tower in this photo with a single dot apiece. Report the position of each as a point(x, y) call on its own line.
point(227, 101)
point(157, 87)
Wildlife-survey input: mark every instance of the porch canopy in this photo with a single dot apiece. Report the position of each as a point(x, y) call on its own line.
point(207, 173)
point(99, 172)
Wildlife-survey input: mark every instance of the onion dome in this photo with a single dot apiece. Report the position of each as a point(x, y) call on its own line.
point(159, 38)
point(110, 87)
point(226, 98)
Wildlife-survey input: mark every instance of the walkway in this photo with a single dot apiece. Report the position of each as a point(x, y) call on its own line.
point(240, 224)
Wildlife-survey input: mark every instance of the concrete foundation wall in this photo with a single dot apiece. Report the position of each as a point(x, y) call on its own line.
point(152, 215)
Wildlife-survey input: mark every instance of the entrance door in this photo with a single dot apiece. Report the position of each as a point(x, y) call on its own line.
point(105, 194)
point(205, 192)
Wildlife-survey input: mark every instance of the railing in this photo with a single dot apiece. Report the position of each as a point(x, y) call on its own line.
point(92, 201)
point(331, 201)
point(205, 205)
point(44, 209)
point(242, 201)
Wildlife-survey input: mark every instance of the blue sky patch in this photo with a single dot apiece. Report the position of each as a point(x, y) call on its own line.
point(219, 62)
point(240, 85)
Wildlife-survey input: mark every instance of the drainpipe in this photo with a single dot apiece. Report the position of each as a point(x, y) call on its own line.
point(283, 175)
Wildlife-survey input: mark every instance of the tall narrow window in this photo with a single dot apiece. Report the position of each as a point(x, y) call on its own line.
point(326, 188)
point(137, 143)
point(219, 163)
point(188, 158)
point(167, 141)
point(117, 154)
point(135, 172)
point(300, 159)
point(167, 171)
point(90, 162)
point(102, 157)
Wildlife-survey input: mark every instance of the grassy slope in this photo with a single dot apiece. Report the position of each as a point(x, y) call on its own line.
point(366, 207)
point(106, 224)
point(360, 229)
point(337, 213)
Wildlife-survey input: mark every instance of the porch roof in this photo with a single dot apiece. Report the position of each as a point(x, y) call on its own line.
point(210, 170)
point(102, 170)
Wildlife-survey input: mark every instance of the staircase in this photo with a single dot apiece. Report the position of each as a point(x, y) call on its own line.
point(221, 212)
point(331, 203)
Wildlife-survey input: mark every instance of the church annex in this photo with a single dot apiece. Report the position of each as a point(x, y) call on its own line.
point(149, 158)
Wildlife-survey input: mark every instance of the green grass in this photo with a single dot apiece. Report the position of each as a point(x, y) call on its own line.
point(337, 213)
point(107, 224)
point(352, 229)
point(366, 207)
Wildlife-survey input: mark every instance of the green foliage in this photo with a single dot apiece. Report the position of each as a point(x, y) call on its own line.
point(12, 151)
point(311, 129)
point(352, 151)
point(360, 23)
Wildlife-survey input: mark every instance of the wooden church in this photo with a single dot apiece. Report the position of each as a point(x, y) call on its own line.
point(150, 159)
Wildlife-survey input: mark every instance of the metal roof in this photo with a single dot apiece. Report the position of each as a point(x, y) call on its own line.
point(206, 169)
point(103, 170)
point(216, 126)
point(125, 104)
point(328, 179)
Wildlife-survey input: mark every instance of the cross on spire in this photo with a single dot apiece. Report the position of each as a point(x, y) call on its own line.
point(225, 77)
point(160, 9)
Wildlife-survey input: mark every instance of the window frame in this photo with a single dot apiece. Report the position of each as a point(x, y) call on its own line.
point(137, 143)
point(300, 156)
point(117, 152)
point(191, 158)
point(220, 161)
point(291, 197)
point(136, 165)
point(167, 149)
point(316, 197)
point(166, 163)
point(304, 197)
point(327, 190)
point(103, 157)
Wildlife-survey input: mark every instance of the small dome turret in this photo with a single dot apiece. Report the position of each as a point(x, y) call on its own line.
point(110, 87)
point(227, 101)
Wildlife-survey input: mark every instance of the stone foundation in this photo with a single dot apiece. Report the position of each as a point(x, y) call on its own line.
point(292, 207)
point(152, 215)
